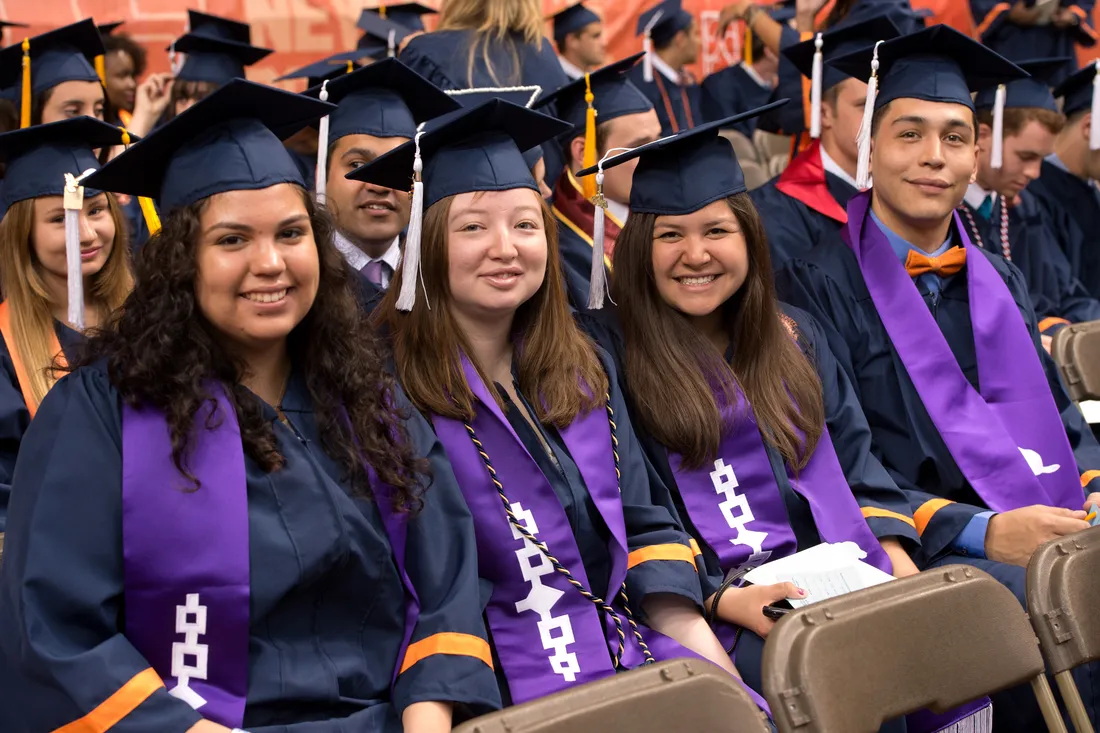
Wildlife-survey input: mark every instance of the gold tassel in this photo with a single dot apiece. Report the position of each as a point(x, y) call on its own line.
point(588, 184)
point(148, 210)
point(25, 107)
point(351, 66)
point(382, 12)
point(101, 69)
point(746, 53)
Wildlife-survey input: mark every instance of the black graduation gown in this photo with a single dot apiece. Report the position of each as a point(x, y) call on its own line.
point(827, 282)
point(15, 418)
point(793, 227)
point(730, 92)
point(1074, 210)
point(672, 102)
point(1021, 43)
point(1057, 296)
point(791, 118)
point(327, 605)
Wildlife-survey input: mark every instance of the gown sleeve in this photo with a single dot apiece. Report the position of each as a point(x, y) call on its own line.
point(63, 658)
point(661, 558)
point(885, 507)
point(448, 658)
point(14, 419)
point(419, 55)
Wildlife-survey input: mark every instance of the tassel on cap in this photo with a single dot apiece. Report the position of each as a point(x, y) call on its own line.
point(148, 210)
point(382, 11)
point(391, 44)
point(25, 98)
point(101, 69)
point(746, 52)
point(863, 139)
point(1094, 128)
point(410, 260)
point(174, 64)
point(996, 154)
point(321, 175)
point(647, 46)
point(598, 277)
point(351, 66)
point(815, 87)
point(588, 184)
point(73, 201)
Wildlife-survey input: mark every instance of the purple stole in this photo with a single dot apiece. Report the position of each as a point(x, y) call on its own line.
point(547, 636)
point(1008, 440)
point(185, 558)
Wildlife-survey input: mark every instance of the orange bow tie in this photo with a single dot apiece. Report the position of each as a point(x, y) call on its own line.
point(946, 265)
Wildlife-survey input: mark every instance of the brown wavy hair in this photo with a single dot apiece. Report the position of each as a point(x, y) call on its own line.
point(554, 359)
point(768, 366)
point(161, 352)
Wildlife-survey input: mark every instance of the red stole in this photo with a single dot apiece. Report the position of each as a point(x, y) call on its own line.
point(575, 212)
point(804, 180)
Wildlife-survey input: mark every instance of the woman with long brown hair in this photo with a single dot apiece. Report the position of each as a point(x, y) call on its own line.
point(222, 516)
point(590, 571)
point(45, 308)
point(736, 394)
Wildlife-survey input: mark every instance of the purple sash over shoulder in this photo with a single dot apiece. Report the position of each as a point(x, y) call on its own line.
point(547, 636)
point(1009, 440)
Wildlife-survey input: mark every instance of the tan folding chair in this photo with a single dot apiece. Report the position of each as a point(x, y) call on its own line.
point(936, 640)
point(1076, 350)
point(1062, 598)
point(679, 695)
point(771, 145)
point(742, 146)
point(755, 175)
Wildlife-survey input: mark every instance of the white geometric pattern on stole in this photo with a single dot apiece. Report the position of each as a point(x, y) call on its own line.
point(189, 647)
point(542, 598)
point(725, 483)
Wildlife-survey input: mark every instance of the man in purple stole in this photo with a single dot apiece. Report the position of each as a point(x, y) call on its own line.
point(939, 337)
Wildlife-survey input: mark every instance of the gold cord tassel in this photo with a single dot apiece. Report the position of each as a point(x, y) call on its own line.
point(588, 184)
point(25, 107)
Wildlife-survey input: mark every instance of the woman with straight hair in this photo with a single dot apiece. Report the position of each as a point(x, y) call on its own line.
point(226, 515)
point(46, 305)
point(760, 436)
point(574, 533)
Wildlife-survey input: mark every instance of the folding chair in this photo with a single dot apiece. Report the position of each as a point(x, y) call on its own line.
point(1076, 350)
point(771, 145)
point(755, 175)
point(1062, 599)
point(678, 695)
point(933, 641)
point(742, 146)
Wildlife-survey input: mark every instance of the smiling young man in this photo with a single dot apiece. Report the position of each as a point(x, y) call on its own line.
point(378, 109)
point(1003, 216)
point(939, 337)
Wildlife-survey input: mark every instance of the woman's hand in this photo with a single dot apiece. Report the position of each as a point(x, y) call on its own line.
point(730, 13)
point(427, 717)
point(150, 102)
point(744, 607)
point(205, 726)
point(899, 558)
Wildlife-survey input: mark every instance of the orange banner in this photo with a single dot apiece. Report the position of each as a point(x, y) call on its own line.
point(302, 31)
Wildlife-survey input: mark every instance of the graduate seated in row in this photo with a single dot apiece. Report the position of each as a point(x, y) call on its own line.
point(228, 516)
point(38, 323)
point(587, 571)
point(582, 45)
point(1066, 187)
point(746, 438)
point(999, 210)
point(624, 118)
point(939, 337)
point(671, 43)
point(804, 205)
point(1026, 29)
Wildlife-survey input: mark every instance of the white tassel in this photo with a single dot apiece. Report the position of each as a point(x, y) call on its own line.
point(863, 139)
point(647, 46)
point(410, 258)
point(1094, 128)
point(174, 64)
point(815, 88)
point(321, 176)
point(598, 280)
point(391, 44)
point(997, 153)
point(73, 201)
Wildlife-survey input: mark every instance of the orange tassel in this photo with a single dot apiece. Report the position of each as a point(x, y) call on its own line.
point(101, 69)
point(351, 67)
point(746, 53)
point(25, 107)
point(588, 183)
point(382, 12)
point(148, 210)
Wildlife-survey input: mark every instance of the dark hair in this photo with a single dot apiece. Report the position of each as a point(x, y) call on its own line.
point(768, 366)
point(125, 44)
point(881, 112)
point(183, 89)
point(1017, 118)
point(838, 13)
point(161, 352)
point(9, 118)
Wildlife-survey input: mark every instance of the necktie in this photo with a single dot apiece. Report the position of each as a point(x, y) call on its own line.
point(373, 270)
point(986, 209)
point(946, 265)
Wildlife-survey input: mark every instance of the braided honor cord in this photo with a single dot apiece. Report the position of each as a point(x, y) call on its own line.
point(1006, 247)
point(527, 535)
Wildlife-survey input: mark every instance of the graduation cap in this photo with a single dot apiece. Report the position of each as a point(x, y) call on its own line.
point(904, 16)
point(572, 20)
point(106, 29)
point(214, 60)
point(524, 96)
point(385, 99)
point(1032, 92)
point(404, 14)
point(1079, 92)
point(937, 64)
point(658, 25)
point(326, 69)
point(812, 56)
point(51, 160)
point(99, 62)
point(215, 26)
point(52, 58)
point(479, 150)
point(598, 96)
point(229, 141)
point(382, 30)
point(676, 175)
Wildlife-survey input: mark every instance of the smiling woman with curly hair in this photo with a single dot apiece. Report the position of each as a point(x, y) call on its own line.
point(222, 518)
